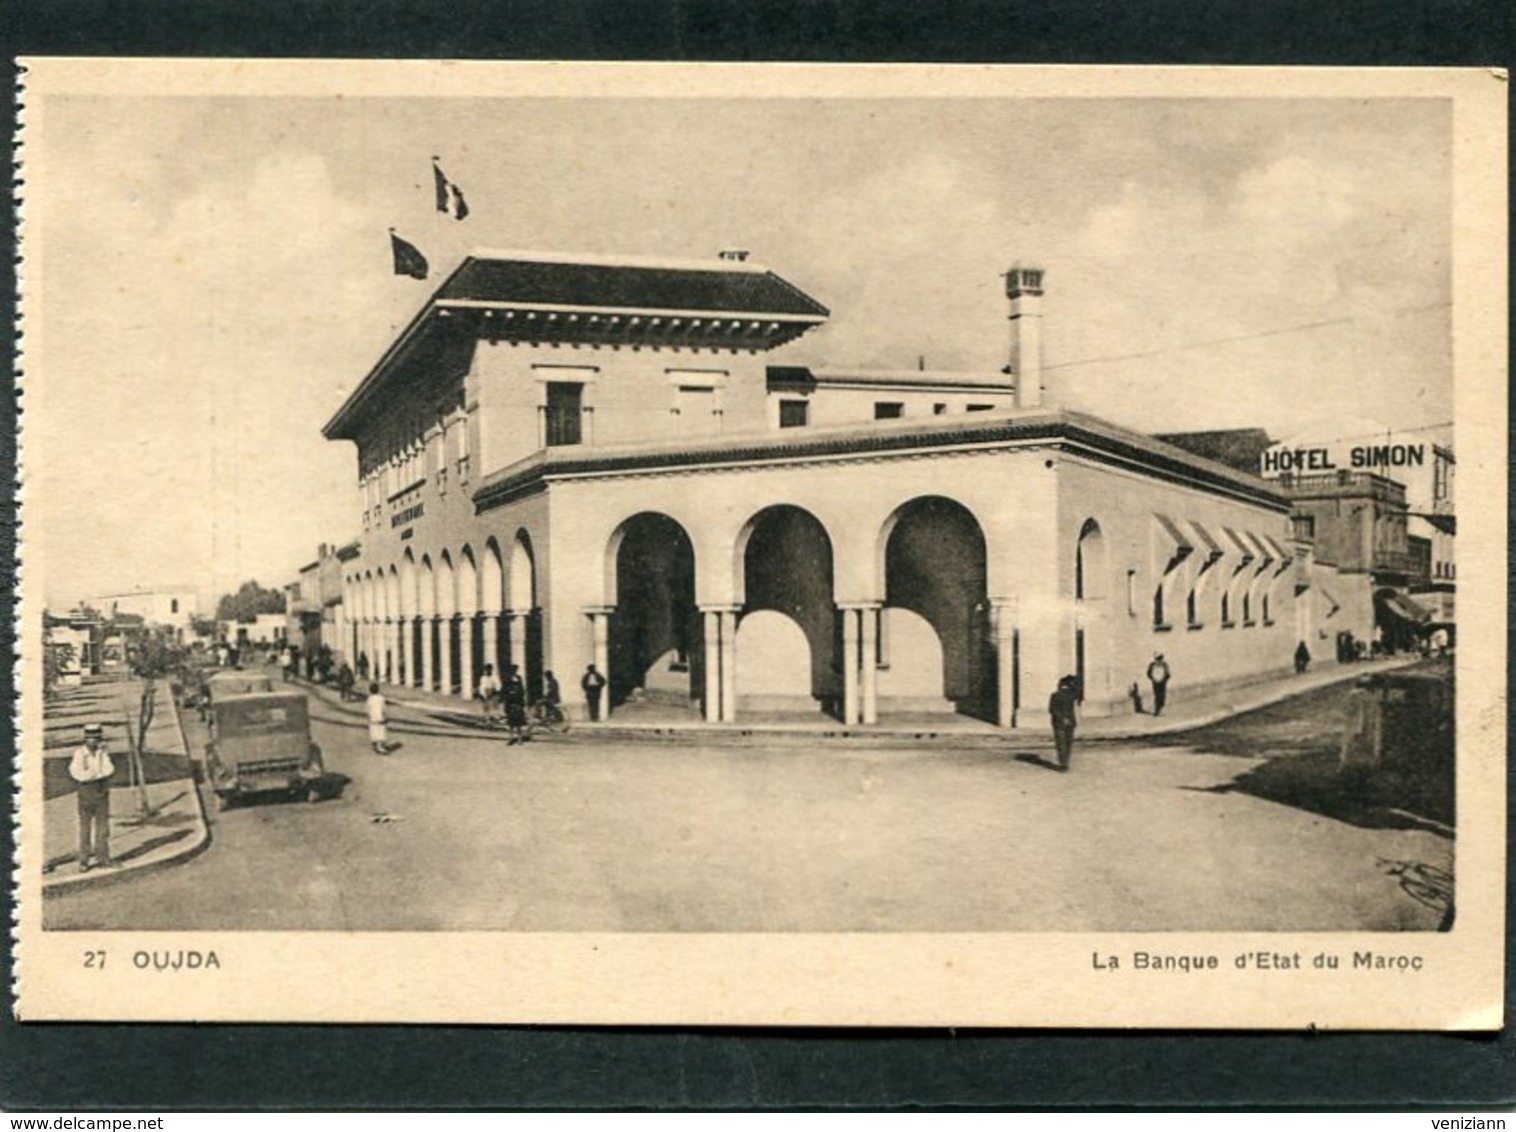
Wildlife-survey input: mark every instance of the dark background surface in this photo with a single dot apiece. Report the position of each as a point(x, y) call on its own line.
point(96, 1067)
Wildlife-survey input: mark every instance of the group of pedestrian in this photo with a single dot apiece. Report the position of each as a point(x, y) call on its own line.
point(1064, 702)
point(506, 700)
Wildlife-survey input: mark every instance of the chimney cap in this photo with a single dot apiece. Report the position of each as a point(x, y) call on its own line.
point(1023, 279)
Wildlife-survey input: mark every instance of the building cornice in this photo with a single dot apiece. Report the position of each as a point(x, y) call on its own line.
point(1075, 433)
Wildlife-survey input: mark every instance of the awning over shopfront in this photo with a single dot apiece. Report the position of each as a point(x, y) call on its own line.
point(1265, 555)
point(1244, 550)
point(1213, 550)
point(1405, 608)
point(1175, 543)
point(1333, 604)
point(1281, 555)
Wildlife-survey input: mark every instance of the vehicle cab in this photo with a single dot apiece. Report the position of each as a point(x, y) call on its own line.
point(230, 682)
point(261, 744)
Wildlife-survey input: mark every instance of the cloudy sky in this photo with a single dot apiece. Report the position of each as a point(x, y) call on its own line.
point(213, 273)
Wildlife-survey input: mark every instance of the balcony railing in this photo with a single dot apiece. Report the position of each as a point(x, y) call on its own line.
point(1397, 562)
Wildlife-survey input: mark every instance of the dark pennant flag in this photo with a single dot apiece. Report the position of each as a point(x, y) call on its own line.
point(449, 196)
point(408, 258)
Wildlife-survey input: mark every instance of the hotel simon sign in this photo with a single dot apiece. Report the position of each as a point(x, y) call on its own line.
point(1355, 456)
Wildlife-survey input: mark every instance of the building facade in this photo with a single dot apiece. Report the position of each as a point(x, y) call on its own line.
point(569, 461)
point(172, 607)
point(1426, 471)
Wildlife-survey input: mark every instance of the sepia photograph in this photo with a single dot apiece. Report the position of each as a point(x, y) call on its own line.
point(762, 544)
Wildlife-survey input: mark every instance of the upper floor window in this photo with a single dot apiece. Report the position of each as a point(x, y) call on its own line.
point(978, 408)
point(565, 410)
point(794, 414)
point(888, 410)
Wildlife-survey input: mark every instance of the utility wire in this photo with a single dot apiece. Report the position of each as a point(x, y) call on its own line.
point(1274, 333)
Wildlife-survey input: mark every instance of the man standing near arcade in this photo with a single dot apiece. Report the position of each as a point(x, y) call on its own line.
point(593, 684)
point(1158, 676)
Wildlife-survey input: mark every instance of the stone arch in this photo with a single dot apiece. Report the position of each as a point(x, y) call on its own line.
point(408, 585)
point(447, 600)
point(426, 588)
point(492, 603)
point(522, 577)
point(491, 578)
point(1092, 614)
point(784, 563)
point(1092, 581)
point(467, 582)
point(445, 589)
point(656, 647)
point(935, 565)
point(393, 658)
point(470, 643)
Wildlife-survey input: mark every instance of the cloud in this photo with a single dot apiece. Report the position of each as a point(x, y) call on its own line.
point(225, 310)
point(909, 258)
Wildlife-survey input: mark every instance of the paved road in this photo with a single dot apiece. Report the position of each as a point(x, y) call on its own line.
point(562, 835)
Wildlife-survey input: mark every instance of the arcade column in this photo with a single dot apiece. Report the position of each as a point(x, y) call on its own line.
point(492, 642)
point(466, 656)
point(427, 667)
point(445, 654)
point(600, 650)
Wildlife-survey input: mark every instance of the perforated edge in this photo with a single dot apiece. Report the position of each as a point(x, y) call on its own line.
point(21, 613)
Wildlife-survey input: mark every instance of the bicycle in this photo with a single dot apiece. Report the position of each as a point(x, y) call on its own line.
point(1426, 884)
point(545, 716)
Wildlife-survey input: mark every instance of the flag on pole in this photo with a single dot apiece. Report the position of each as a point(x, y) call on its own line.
point(408, 258)
point(449, 196)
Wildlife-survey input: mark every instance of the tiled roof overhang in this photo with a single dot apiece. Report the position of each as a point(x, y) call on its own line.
point(554, 282)
point(524, 297)
point(1072, 433)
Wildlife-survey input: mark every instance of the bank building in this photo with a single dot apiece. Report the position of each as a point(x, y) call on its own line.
point(575, 460)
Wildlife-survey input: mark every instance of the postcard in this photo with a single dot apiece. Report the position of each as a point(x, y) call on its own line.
point(761, 545)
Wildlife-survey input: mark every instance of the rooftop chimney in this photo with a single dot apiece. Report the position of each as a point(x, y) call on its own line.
point(1023, 286)
point(736, 255)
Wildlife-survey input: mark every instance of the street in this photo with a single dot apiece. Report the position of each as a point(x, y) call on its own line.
point(459, 831)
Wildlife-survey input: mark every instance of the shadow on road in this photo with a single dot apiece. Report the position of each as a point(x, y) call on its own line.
point(1301, 742)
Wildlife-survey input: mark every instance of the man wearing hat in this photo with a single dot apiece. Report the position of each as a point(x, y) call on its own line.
point(91, 768)
point(1158, 676)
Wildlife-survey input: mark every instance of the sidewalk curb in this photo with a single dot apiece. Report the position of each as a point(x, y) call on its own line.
point(836, 733)
point(1244, 707)
point(197, 845)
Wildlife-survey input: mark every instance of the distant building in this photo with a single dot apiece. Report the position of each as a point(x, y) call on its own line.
point(1238, 448)
point(265, 629)
point(569, 460)
point(1426, 469)
point(313, 603)
point(170, 607)
point(1389, 531)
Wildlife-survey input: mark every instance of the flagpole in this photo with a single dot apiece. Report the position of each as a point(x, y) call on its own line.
point(439, 214)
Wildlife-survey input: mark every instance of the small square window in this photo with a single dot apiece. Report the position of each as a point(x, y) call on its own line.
point(794, 414)
point(888, 410)
point(939, 409)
